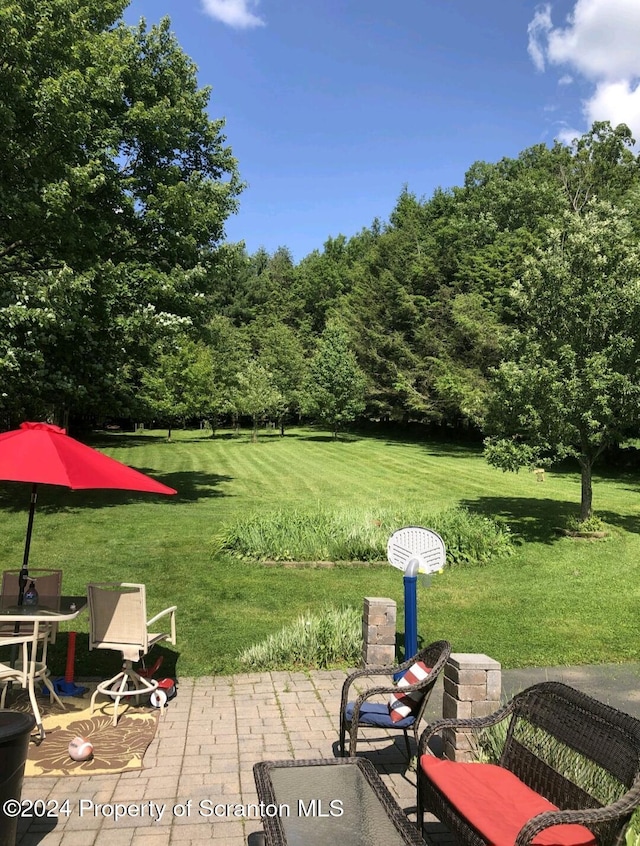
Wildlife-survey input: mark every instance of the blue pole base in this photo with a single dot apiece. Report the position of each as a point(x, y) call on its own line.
point(65, 688)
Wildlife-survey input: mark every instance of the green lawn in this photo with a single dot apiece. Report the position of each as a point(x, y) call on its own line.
point(556, 601)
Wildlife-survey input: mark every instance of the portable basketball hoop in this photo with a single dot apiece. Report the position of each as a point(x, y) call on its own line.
point(414, 550)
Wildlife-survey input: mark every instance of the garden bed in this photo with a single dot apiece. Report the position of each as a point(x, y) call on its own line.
point(322, 565)
point(574, 533)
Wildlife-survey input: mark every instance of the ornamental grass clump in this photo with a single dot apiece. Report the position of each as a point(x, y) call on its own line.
point(322, 641)
point(356, 534)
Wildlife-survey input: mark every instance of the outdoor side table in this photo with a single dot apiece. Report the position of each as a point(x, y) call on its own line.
point(326, 801)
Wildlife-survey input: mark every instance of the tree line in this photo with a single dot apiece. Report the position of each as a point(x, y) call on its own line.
point(506, 305)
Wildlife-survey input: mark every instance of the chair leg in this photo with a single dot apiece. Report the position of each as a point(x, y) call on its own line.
point(122, 690)
point(103, 687)
point(353, 739)
point(343, 731)
point(419, 806)
point(406, 743)
point(36, 710)
point(52, 693)
point(141, 686)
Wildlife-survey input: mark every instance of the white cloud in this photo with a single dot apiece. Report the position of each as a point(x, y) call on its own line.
point(234, 13)
point(618, 102)
point(567, 79)
point(567, 136)
point(538, 28)
point(599, 41)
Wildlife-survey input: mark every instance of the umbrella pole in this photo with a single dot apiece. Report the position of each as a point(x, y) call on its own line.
point(24, 572)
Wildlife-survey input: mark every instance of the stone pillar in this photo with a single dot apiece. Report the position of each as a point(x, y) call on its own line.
point(379, 632)
point(472, 688)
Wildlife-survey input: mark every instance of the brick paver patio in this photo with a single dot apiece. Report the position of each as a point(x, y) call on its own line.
point(217, 728)
point(202, 758)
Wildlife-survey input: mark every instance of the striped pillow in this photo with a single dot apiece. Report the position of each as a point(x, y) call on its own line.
point(402, 705)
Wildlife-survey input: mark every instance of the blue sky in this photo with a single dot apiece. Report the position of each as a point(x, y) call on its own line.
point(332, 106)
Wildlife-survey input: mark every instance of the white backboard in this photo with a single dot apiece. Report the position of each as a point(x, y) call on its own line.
point(425, 545)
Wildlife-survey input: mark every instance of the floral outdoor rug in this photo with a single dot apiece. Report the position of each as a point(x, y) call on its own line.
point(116, 749)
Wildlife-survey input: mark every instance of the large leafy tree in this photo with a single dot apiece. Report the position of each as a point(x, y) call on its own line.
point(321, 279)
point(570, 383)
point(282, 354)
point(335, 387)
point(262, 287)
point(257, 394)
point(601, 163)
point(230, 354)
point(179, 384)
point(114, 189)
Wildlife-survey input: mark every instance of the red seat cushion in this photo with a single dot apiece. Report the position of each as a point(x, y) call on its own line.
point(497, 804)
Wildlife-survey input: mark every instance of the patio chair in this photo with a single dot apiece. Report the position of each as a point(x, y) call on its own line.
point(26, 670)
point(118, 621)
point(405, 701)
point(49, 586)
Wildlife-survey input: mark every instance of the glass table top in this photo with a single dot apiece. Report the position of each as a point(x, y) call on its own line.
point(329, 805)
point(48, 606)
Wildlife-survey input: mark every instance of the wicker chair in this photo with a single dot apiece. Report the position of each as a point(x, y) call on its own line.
point(562, 747)
point(364, 713)
point(118, 621)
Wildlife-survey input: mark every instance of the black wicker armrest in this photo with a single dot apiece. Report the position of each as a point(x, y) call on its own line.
point(378, 671)
point(621, 807)
point(473, 724)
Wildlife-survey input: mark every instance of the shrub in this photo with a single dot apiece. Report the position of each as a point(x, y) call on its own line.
point(591, 524)
point(330, 639)
point(353, 534)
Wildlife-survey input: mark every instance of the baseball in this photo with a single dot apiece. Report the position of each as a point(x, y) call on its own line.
point(80, 749)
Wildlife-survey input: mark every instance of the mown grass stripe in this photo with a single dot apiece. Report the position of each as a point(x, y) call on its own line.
point(511, 610)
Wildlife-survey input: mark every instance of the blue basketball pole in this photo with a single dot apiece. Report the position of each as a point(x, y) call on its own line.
point(411, 609)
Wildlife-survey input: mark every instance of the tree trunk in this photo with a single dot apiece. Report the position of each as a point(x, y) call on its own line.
point(282, 426)
point(254, 433)
point(586, 499)
point(169, 432)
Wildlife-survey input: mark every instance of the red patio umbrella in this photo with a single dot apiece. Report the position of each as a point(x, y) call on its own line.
point(40, 453)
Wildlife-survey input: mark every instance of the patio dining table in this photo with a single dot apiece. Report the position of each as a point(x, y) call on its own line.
point(50, 609)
